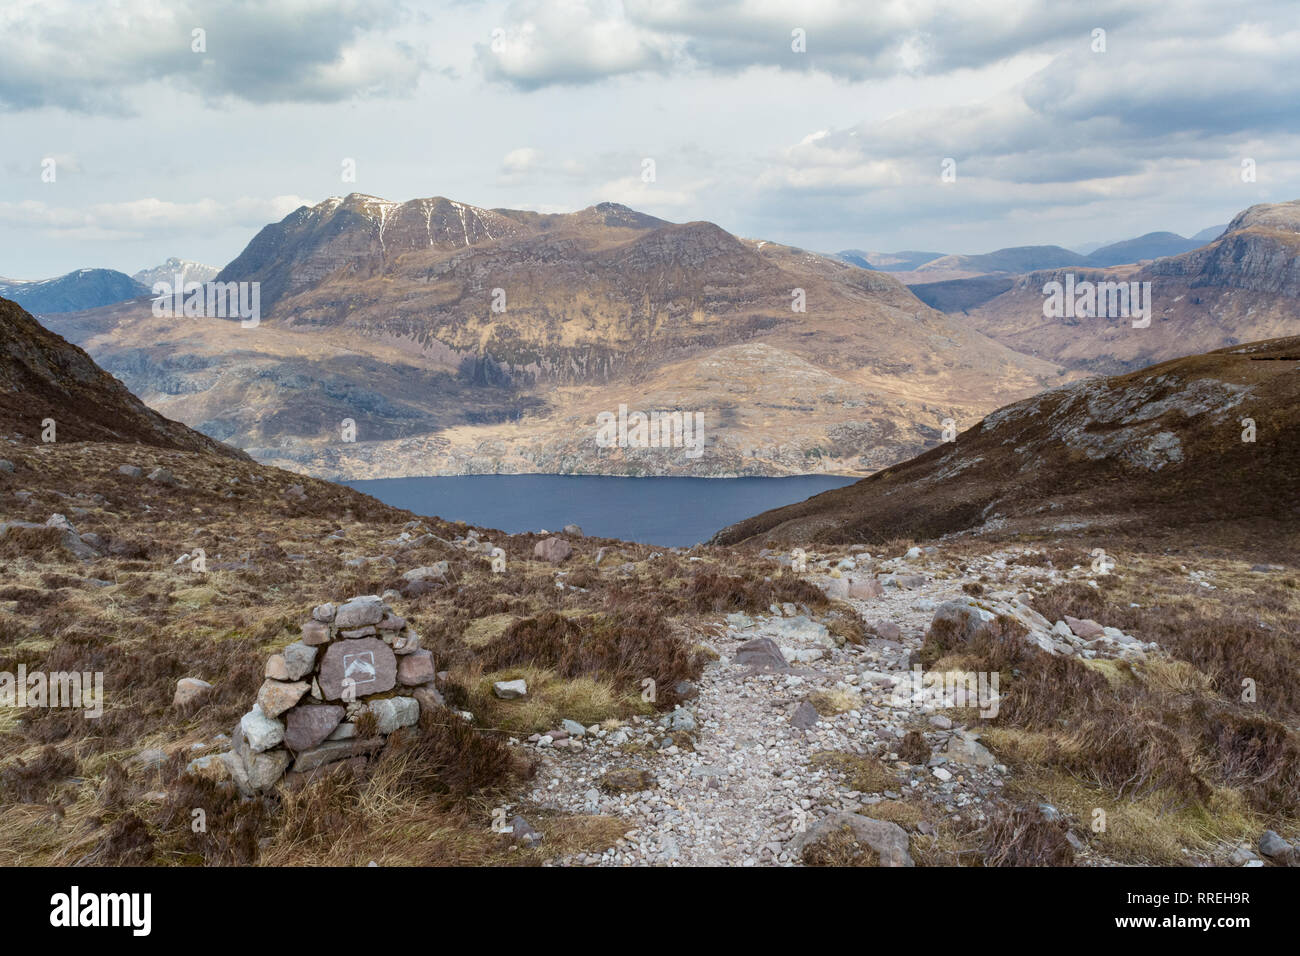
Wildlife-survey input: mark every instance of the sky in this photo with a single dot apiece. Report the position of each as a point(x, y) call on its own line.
point(135, 130)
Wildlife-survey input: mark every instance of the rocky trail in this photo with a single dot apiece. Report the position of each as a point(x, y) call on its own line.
point(749, 770)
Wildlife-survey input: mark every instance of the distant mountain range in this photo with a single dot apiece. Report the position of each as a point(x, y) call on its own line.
point(463, 340)
point(169, 270)
point(92, 288)
point(1242, 287)
point(936, 266)
point(82, 289)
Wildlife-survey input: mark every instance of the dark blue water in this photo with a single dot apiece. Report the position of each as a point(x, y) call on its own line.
point(672, 512)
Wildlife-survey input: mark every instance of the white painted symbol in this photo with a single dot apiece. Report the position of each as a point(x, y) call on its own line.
point(360, 667)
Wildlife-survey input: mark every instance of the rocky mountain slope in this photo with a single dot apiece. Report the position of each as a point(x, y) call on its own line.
point(464, 340)
point(1242, 287)
point(44, 377)
point(168, 271)
point(83, 289)
point(1160, 448)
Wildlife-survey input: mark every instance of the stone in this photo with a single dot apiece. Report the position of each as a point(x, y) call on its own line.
point(368, 662)
point(315, 633)
point(887, 631)
point(573, 530)
point(685, 690)
point(1242, 856)
point(805, 716)
point(1274, 847)
point(308, 725)
point(553, 550)
point(61, 522)
point(391, 622)
point(276, 669)
point(888, 840)
point(573, 728)
point(351, 635)
point(162, 476)
point(392, 713)
point(402, 642)
point(963, 748)
point(257, 771)
point(299, 659)
point(415, 668)
point(259, 731)
point(333, 750)
point(761, 653)
point(682, 720)
point(912, 554)
point(510, 689)
point(837, 589)
point(324, 613)
point(864, 588)
point(429, 697)
point(6, 466)
point(359, 612)
point(131, 471)
point(909, 581)
point(436, 570)
point(189, 689)
point(523, 833)
point(278, 696)
point(625, 780)
point(1085, 629)
point(344, 731)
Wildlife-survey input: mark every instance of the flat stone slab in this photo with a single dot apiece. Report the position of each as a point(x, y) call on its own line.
point(368, 662)
point(275, 697)
point(359, 612)
point(333, 750)
point(763, 653)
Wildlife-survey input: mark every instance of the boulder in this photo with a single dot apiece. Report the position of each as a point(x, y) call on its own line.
point(510, 689)
point(392, 713)
point(276, 669)
point(1275, 848)
point(190, 689)
point(864, 588)
point(308, 725)
point(963, 748)
point(359, 612)
point(415, 668)
point(437, 570)
point(1085, 629)
point(573, 530)
point(6, 466)
point(805, 716)
point(256, 771)
point(324, 613)
point(367, 661)
point(761, 653)
point(278, 696)
point(889, 840)
point(299, 659)
point(131, 471)
point(257, 732)
point(553, 550)
point(837, 589)
point(162, 476)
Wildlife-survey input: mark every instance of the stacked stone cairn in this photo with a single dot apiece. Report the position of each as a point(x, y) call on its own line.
point(353, 659)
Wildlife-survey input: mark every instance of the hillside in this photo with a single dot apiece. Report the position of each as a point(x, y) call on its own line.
point(389, 315)
point(1156, 449)
point(83, 289)
point(1242, 287)
point(168, 271)
point(43, 377)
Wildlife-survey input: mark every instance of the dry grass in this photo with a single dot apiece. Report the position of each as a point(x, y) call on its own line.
point(861, 773)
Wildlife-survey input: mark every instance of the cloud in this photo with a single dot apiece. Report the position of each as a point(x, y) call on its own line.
point(92, 56)
point(145, 218)
point(1158, 123)
point(570, 42)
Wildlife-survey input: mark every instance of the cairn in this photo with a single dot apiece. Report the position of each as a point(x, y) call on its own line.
point(356, 675)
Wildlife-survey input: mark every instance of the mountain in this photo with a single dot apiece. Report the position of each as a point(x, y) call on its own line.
point(887, 261)
point(1154, 245)
point(463, 340)
point(43, 377)
point(1207, 235)
point(1016, 259)
point(1158, 448)
point(169, 270)
point(1242, 287)
point(82, 289)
